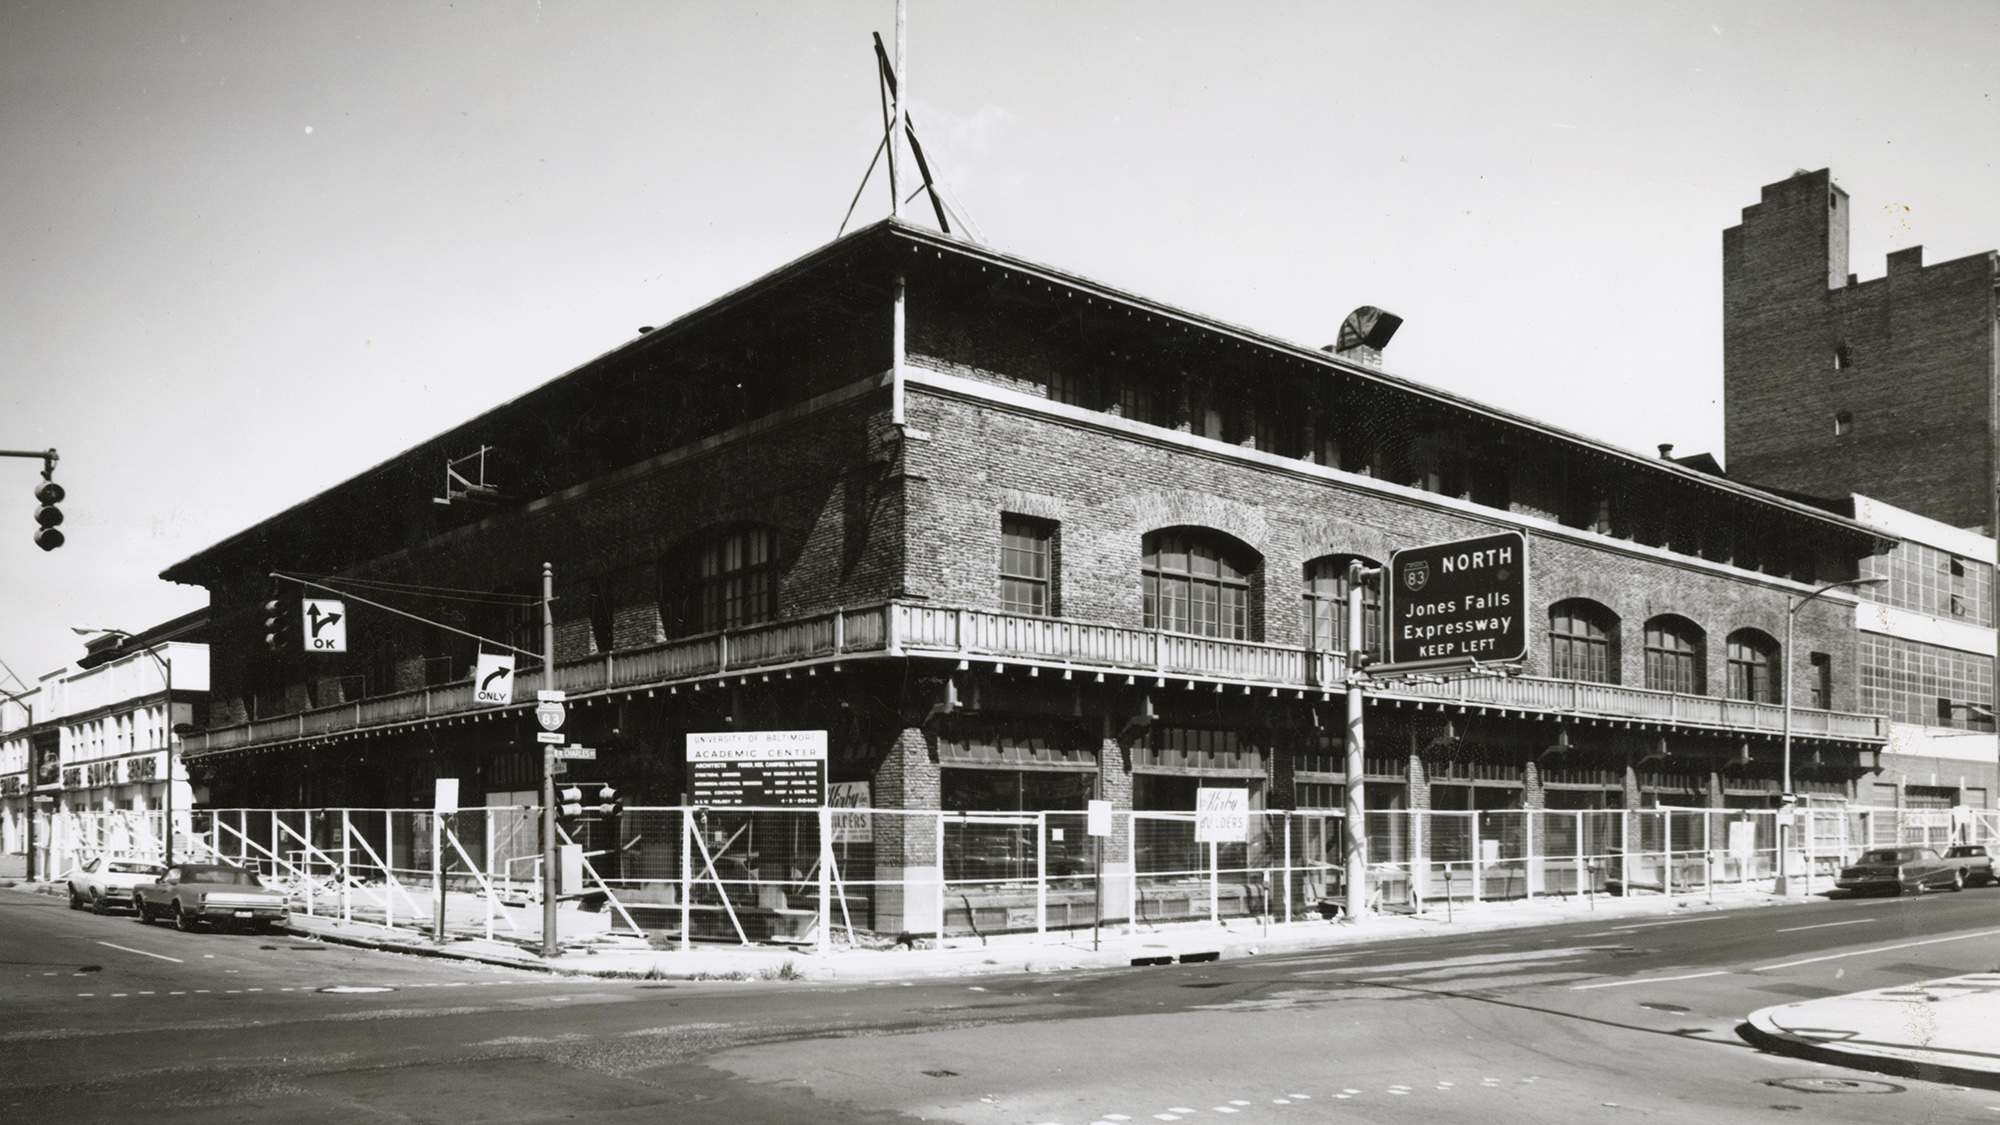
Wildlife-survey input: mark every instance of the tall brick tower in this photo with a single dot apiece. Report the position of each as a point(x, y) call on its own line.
point(1833, 386)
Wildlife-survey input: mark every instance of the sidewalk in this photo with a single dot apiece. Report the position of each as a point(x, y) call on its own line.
point(1945, 1030)
point(593, 945)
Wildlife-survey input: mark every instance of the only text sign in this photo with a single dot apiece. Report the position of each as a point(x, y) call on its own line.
point(1459, 602)
point(757, 767)
point(493, 681)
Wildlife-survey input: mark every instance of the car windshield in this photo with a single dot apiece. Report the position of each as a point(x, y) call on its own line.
point(226, 875)
point(135, 868)
point(1962, 852)
point(1889, 855)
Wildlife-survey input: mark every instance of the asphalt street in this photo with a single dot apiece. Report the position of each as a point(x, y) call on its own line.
point(1618, 1020)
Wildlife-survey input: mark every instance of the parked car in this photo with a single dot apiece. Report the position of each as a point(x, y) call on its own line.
point(223, 896)
point(1973, 860)
point(100, 883)
point(1895, 870)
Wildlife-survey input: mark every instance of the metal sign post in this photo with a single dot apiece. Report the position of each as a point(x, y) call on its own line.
point(549, 694)
point(443, 805)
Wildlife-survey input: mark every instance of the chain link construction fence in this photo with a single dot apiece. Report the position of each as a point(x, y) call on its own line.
point(804, 876)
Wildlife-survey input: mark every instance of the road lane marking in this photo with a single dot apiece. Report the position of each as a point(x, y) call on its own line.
point(1648, 980)
point(143, 953)
point(1823, 925)
point(1878, 949)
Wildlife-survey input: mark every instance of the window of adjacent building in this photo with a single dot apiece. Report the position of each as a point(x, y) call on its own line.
point(727, 582)
point(1026, 566)
point(1197, 582)
point(1957, 586)
point(1822, 681)
point(1326, 605)
point(1843, 423)
point(1581, 642)
point(1674, 656)
point(1905, 680)
point(1752, 658)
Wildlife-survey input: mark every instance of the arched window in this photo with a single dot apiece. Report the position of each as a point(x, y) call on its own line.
point(725, 581)
point(1197, 582)
point(1582, 640)
point(1753, 656)
point(1674, 652)
point(1326, 605)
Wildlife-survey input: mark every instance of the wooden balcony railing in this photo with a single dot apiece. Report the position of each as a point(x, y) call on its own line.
point(901, 629)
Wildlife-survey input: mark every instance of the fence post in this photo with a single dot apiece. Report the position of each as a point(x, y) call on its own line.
point(1214, 883)
point(1625, 850)
point(1478, 855)
point(687, 878)
point(490, 881)
point(388, 866)
point(1529, 876)
point(1041, 872)
point(346, 867)
point(1288, 865)
point(308, 863)
point(1576, 834)
point(938, 820)
point(825, 945)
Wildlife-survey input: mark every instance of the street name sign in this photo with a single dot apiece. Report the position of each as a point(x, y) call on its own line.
point(1457, 603)
point(493, 680)
point(576, 753)
point(323, 624)
point(757, 767)
point(550, 736)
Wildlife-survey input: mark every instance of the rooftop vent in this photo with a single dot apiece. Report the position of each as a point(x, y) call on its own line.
point(1365, 332)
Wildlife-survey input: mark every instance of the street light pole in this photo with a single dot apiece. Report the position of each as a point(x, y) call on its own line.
point(1786, 798)
point(167, 674)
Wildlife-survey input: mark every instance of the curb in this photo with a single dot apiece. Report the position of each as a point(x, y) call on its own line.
point(1761, 1033)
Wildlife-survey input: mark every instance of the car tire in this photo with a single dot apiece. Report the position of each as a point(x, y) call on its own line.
point(139, 908)
point(98, 903)
point(1958, 879)
point(183, 921)
point(75, 900)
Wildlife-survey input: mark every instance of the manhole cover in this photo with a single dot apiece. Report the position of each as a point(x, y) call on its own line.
point(352, 988)
point(1834, 1085)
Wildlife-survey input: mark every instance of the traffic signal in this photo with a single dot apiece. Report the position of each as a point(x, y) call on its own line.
point(276, 621)
point(48, 517)
point(569, 804)
point(609, 803)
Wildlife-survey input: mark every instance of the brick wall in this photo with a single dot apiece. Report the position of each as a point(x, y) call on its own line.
point(1919, 350)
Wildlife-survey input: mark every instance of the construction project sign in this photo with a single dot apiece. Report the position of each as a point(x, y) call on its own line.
point(1459, 603)
point(771, 768)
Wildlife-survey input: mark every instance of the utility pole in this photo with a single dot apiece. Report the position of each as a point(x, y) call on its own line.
point(549, 944)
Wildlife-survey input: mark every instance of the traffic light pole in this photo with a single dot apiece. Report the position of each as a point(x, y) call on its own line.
point(549, 945)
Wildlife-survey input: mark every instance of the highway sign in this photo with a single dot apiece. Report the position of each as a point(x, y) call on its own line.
point(493, 681)
point(1458, 603)
point(550, 714)
point(550, 736)
point(323, 624)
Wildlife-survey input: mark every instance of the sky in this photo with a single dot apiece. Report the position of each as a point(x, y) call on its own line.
point(253, 249)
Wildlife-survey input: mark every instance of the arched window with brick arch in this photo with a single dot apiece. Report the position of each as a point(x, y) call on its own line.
point(1753, 660)
point(1198, 581)
point(724, 579)
point(1676, 652)
point(1326, 605)
point(1583, 642)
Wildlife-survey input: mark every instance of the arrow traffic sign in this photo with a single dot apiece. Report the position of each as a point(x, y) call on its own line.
point(324, 625)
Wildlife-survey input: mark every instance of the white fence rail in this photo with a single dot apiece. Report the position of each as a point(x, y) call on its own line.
point(811, 876)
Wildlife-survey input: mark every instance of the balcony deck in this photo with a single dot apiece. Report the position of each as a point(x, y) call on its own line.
point(898, 629)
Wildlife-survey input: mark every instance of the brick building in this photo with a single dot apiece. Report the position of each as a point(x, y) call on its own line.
point(1834, 386)
point(1879, 399)
point(1016, 539)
